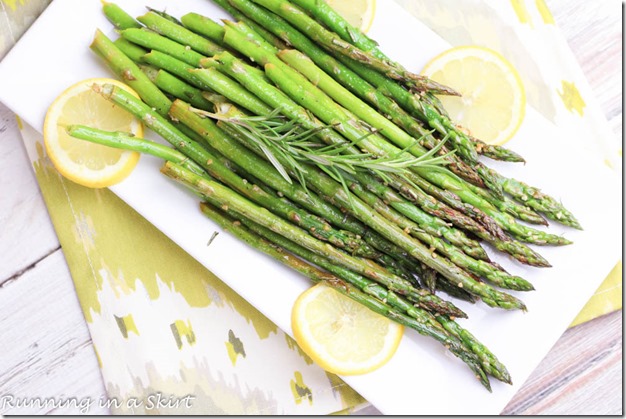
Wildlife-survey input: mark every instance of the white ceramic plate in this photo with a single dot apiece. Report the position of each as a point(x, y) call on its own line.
point(421, 378)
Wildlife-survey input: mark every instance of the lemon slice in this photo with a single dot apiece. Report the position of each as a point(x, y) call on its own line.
point(359, 13)
point(492, 103)
point(85, 163)
point(340, 335)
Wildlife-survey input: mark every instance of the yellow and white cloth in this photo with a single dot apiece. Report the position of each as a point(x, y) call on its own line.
point(163, 325)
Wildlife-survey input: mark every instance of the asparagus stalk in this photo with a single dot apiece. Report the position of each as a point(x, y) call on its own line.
point(173, 66)
point(203, 26)
point(130, 142)
point(118, 17)
point(332, 42)
point(368, 294)
point(325, 14)
point(330, 113)
point(132, 51)
point(497, 152)
point(211, 163)
point(317, 227)
point(534, 198)
point(180, 34)
point(425, 222)
point(390, 130)
point(128, 71)
point(459, 258)
point(377, 98)
point(336, 195)
point(180, 89)
point(426, 300)
point(244, 40)
point(153, 41)
point(510, 206)
point(277, 99)
point(234, 12)
point(221, 196)
point(356, 84)
point(489, 361)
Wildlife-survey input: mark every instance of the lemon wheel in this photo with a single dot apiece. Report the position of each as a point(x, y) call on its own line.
point(341, 335)
point(492, 102)
point(86, 163)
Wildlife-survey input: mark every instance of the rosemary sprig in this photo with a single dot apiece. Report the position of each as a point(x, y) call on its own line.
point(289, 146)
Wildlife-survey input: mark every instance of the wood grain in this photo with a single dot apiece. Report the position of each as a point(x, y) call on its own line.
point(588, 356)
point(46, 348)
point(25, 228)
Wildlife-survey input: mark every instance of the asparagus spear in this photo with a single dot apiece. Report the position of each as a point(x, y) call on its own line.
point(334, 43)
point(317, 227)
point(154, 41)
point(219, 195)
point(244, 40)
point(128, 71)
point(330, 118)
point(459, 258)
point(129, 142)
point(376, 97)
point(497, 152)
point(173, 66)
point(203, 26)
point(330, 113)
point(336, 195)
point(426, 222)
point(534, 198)
point(325, 14)
point(344, 97)
point(510, 206)
point(355, 83)
point(277, 99)
point(369, 296)
point(132, 51)
point(234, 12)
point(339, 219)
point(180, 89)
point(426, 300)
point(118, 17)
point(179, 34)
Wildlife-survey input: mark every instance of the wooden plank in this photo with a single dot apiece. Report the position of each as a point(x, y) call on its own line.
point(45, 345)
point(25, 228)
point(593, 30)
point(581, 375)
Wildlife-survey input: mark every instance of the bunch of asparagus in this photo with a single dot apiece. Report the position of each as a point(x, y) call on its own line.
point(306, 142)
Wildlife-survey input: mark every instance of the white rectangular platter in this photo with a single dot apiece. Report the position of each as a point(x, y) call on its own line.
point(421, 378)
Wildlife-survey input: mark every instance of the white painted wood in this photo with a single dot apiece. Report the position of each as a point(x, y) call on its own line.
point(45, 349)
point(562, 384)
point(26, 232)
point(45, 345)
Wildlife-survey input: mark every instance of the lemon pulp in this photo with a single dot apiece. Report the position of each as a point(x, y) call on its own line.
point(86, 163)
point(492, 102)
point(341, 335)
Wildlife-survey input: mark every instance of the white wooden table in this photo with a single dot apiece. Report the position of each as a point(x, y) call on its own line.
point(45, 348)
